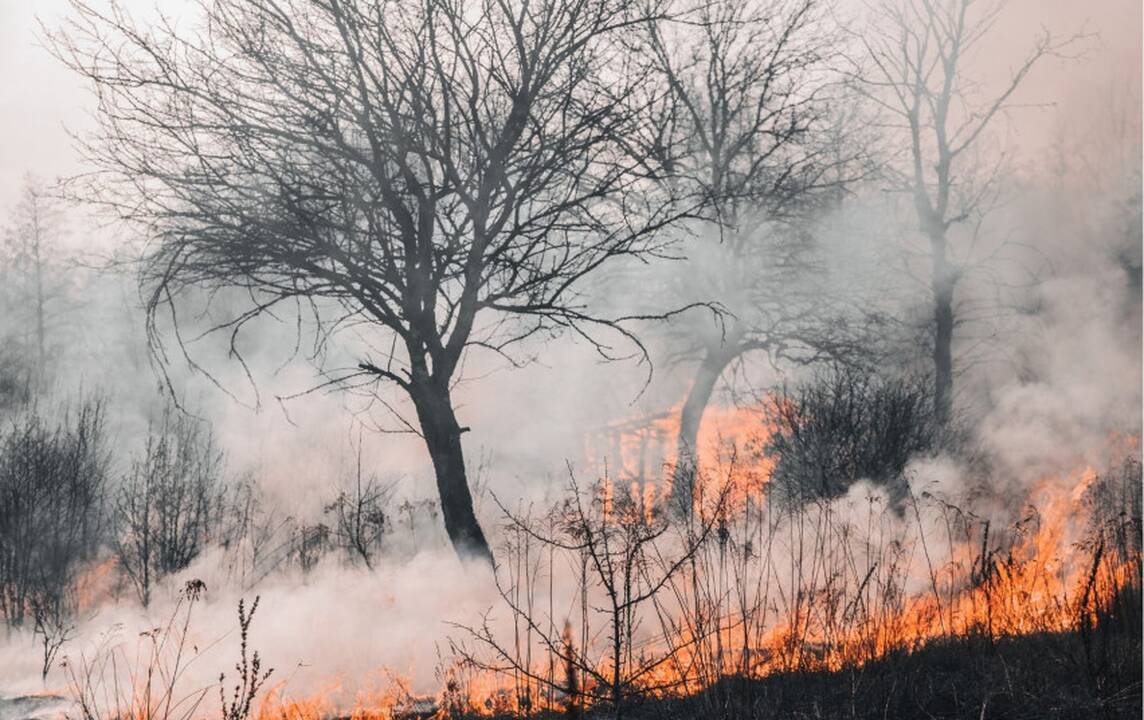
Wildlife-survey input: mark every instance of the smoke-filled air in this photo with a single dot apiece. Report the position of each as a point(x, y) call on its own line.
point(582, 359)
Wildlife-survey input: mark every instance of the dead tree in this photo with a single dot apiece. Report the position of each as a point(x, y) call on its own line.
point(843, 425)
point(52, 484)
point(30, 287)
point(917, 52)
point(446, 173)
point(169, 504)
point(255, 534)
point(55, 626)
point(624, 552)
point(360, 520)
point(751, 125)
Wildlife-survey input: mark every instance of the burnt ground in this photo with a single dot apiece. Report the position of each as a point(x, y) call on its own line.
point(1035, 677)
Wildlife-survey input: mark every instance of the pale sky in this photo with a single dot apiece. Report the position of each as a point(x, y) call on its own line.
point(39, 98)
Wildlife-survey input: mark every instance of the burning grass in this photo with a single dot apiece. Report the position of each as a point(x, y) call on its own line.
point(614, 605)
point(861, 605)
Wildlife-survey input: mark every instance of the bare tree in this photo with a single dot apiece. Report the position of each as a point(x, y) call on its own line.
point(308, 544)
point(360, 520)
point(52, 481)
point(446, 174)
point(919, 53)
point(54, 623)
point(624, 551)
point(257, 536)
point(168, 506)
point(30, 283)
point(751, 124)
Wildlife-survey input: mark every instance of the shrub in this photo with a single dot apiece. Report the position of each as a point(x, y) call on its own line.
point(52, 482)
point(169, 503)
point(845, 425)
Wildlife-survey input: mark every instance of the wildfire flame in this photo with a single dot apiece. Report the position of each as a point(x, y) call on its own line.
point(858, 592)
point(641, 453)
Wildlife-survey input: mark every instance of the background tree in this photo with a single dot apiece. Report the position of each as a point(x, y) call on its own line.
point(844, 425)
point(444, 173)
point(52, 485)
point(30, 287)
point(257, 535)
point(919, 55)
point(360, 515)
point(168, 507)
point(1096, 156)
point(750, 122)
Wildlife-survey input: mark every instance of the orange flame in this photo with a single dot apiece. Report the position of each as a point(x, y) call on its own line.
point(817, 589)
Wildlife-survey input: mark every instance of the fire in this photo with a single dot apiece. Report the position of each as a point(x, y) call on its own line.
point(641, 453)
point(95, 584)
point(832, 585)
point(391, 699)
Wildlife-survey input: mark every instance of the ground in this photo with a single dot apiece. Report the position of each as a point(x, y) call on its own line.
point(1051, 676)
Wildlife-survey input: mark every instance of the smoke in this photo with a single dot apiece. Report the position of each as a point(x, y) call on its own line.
point(1047, 388)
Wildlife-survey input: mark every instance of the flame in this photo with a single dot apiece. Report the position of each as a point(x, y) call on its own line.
point(95, 584)
point(826, 587)
point(390, 699)
point(641, 453)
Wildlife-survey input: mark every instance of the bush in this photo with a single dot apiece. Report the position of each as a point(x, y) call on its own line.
point(169, 505)
point(52, 482)
point(845, 425)
point(360, 519)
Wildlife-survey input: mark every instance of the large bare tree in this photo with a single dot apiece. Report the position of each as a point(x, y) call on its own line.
point(751, 124)
point(442, 173)
point(918, 69)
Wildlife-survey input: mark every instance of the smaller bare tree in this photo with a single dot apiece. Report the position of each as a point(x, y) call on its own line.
point(54, 625)
point(168, 506)
point(917, 71)
point(257, 535)
point(847, 424)
point(360, 520)
point(309, 545)
point(52, 483)
point(32, 283)
point(625, 551)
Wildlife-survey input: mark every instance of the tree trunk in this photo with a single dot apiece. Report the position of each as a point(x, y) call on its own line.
point(715, 360)
point(943, 286)
point(443, 440)
point(38, 269)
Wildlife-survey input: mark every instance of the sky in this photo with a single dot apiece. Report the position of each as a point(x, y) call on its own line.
point(40, 100)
